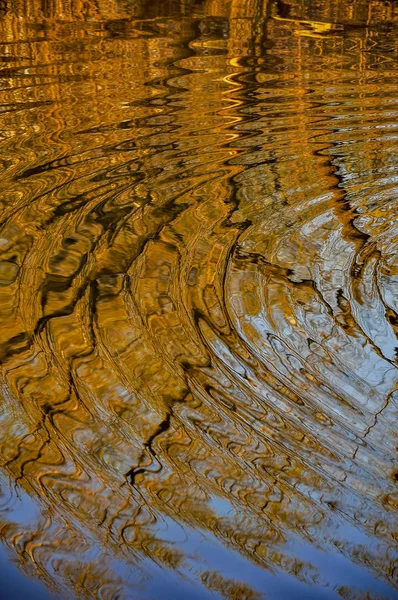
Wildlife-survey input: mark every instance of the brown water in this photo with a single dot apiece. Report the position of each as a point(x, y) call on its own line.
point(198, 298)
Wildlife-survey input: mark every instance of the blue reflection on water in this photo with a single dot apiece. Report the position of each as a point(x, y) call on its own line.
point(15, 586)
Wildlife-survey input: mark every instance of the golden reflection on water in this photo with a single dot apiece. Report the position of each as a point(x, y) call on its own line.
point(198, 296)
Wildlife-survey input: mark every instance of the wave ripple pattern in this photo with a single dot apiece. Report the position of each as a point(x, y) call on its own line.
point(198, 298)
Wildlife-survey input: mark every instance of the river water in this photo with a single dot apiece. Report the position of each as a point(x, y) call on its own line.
point(198, 299)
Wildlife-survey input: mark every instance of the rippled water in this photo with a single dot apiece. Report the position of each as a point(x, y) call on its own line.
point(198, 299)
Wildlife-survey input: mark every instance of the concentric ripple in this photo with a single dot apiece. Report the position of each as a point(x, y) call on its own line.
point(198, 297)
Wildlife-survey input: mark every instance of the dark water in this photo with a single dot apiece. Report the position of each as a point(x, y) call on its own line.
point(198, 299)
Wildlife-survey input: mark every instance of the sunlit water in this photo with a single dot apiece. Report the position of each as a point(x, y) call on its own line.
point(198, 299)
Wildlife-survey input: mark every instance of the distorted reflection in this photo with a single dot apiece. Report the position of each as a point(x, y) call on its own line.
point(198, 297)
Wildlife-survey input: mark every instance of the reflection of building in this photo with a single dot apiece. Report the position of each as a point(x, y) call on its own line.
point(130, 141)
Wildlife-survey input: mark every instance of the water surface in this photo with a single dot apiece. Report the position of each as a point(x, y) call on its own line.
point(198, 299)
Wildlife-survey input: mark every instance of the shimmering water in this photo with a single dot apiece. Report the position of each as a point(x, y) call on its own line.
point(198, 299)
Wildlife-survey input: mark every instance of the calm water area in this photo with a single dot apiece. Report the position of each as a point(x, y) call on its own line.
point(198, 299)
